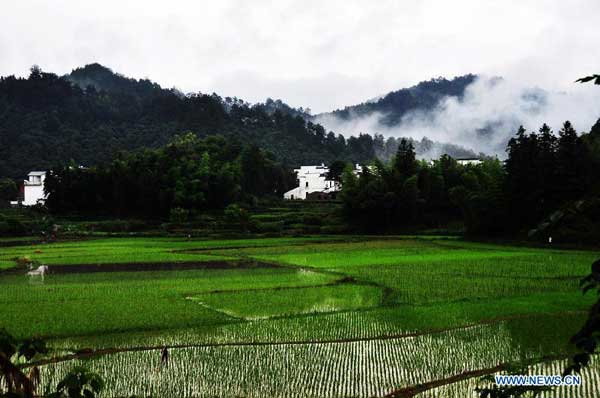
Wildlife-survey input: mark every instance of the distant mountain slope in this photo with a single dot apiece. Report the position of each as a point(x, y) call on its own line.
point(394, 105)
point(102, 78)
point(480, 113)
point(91, 114)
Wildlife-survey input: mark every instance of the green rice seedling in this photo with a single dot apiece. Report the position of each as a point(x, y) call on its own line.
point(267, 303)
point(92, 303)
point(327, 317)
point(360, 368)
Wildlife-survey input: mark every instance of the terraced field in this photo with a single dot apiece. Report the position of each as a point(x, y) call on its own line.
point(278, 317)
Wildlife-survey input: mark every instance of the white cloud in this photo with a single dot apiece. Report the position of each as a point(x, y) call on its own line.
point(320, 54)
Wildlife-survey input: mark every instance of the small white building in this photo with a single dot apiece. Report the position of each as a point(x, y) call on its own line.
point(33, 189)
point(313, 183)
point(466, 161)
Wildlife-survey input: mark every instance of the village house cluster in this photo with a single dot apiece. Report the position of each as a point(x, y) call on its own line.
point(313, 182)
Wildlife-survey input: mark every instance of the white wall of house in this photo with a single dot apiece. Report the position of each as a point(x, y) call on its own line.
point(33, 188)
point(313, 179)
point(466, 161)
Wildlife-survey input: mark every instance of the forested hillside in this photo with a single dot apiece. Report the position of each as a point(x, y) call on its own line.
point(91, 114)
point(425, 96)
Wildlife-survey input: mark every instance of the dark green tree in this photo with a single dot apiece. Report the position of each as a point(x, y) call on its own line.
point(571, 181)
point(336, 169)
point(8, 191)
point(405, 164)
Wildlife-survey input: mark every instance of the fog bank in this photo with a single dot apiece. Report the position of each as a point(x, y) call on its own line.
point(486, 117)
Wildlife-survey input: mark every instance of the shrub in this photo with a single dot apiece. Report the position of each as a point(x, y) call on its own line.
point(118, 226)
point(179, 215)
point(312, 219)
point(237, 216)
point(334, 229)
point(275, 226)
point(11, 226)
point(24, 261)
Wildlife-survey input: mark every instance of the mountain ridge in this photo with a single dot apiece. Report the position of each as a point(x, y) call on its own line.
point(92, 113)
point(395, 104)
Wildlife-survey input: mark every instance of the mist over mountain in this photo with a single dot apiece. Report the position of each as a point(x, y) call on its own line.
point(386, 147)
point(476, 112)
point(395, 105)
point(381, 115)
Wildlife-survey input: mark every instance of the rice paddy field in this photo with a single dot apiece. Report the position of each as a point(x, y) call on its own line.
point(298, 317)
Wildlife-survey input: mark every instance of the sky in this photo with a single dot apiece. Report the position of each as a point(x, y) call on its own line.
point(321, 54)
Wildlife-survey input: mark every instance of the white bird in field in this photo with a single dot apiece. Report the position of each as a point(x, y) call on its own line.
point(41, 270)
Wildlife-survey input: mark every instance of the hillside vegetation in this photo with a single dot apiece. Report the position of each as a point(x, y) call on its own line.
point(93, 113)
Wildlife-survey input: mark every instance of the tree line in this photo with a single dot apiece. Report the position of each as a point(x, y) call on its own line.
point(189, 174)
point(542, 172)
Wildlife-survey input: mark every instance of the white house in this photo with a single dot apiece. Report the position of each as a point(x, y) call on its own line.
point(466, 161)
point(313, 183)
point(33, 189)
